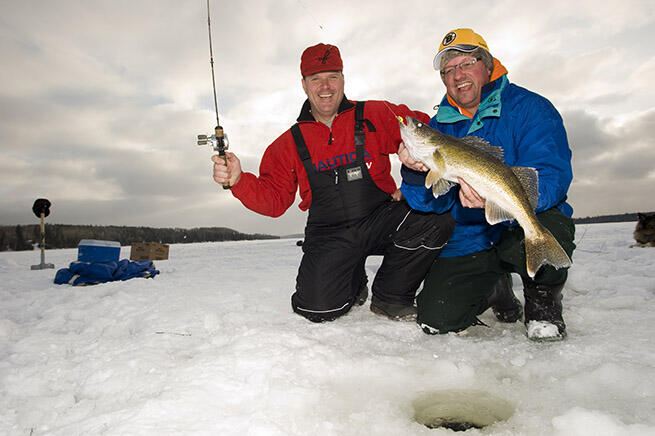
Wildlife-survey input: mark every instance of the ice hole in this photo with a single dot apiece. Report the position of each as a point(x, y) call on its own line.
point(460, 410)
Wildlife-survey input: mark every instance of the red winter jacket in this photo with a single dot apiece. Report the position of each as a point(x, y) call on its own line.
point(281, 170)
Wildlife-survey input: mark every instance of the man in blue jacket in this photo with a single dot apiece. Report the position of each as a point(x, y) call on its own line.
point(473, 272)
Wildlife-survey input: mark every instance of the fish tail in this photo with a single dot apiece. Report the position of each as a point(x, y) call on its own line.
point(544, 249)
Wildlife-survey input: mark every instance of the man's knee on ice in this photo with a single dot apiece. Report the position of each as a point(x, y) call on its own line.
point(317, 314)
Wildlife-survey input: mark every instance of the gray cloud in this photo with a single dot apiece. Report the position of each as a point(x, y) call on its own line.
point(614, 166)
point(604, 151)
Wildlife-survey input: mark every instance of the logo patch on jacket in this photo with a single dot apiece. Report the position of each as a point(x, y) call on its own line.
point(354, 173)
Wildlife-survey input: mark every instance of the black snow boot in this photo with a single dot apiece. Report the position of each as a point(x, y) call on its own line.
point(393, 311)
point(543, 311)
point(503, 302)
point(362, 296)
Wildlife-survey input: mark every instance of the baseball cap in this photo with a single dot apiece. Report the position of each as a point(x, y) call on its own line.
point(319, 58)
point(465, 40)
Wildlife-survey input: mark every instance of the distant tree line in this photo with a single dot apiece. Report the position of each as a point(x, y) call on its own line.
point(26, 237)
point(619, 218)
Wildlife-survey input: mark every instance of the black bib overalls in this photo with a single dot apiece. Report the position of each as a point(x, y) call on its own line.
point(350, 218)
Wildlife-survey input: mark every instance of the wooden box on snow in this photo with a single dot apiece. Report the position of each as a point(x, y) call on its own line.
point(149, 251)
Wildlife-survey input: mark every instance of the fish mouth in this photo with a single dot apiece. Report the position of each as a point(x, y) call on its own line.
point(406, 129)
point(410, 137)
point(411, 124)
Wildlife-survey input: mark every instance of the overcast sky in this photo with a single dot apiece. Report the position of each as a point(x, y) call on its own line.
point(101, 101)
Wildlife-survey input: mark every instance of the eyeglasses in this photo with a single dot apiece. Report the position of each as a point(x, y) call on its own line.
point(464, 66)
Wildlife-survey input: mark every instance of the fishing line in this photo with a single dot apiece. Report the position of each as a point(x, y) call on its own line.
point(398, 117)
point(211, 61)
point(310, 14)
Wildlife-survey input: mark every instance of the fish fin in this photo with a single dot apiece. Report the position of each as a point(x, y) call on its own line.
point(484, 146)
point(496, 214)
point(431, 178)
point(439, 186)
point(529, 178)
point(543, 250)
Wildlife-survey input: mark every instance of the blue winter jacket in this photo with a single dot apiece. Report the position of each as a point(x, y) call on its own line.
point(530, 131)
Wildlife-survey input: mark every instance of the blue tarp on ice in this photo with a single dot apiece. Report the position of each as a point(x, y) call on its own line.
point(89, 273)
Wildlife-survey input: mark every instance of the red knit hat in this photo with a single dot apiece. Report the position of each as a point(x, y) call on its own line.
point(319, 58)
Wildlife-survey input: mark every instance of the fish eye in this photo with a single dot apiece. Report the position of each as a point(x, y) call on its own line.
point(419, 125)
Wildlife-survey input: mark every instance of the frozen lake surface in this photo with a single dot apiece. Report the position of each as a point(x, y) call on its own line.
point(211, 347)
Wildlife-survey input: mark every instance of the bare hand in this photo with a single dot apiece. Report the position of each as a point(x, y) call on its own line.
point(469, 197)
point(229, 172)
point(408, 161)
point(397, 195)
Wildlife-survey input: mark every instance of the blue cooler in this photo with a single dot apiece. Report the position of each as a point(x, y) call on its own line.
point(93, 250)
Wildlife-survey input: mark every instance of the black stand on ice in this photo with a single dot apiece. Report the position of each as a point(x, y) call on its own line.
point(41, 209)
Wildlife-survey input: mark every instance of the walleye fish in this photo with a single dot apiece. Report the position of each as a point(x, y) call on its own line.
point(510, 193)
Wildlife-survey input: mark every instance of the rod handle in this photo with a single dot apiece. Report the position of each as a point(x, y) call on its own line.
point(220, 140)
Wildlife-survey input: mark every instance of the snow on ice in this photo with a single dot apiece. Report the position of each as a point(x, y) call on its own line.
point(211, 347)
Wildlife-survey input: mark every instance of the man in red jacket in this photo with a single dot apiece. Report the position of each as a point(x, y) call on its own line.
point(337, 155)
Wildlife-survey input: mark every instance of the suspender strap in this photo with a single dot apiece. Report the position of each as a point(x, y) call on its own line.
point(359, 117)
point(303, 151)
point(360, 137)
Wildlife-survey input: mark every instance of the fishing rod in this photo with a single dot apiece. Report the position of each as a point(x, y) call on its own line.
point(218, 141)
